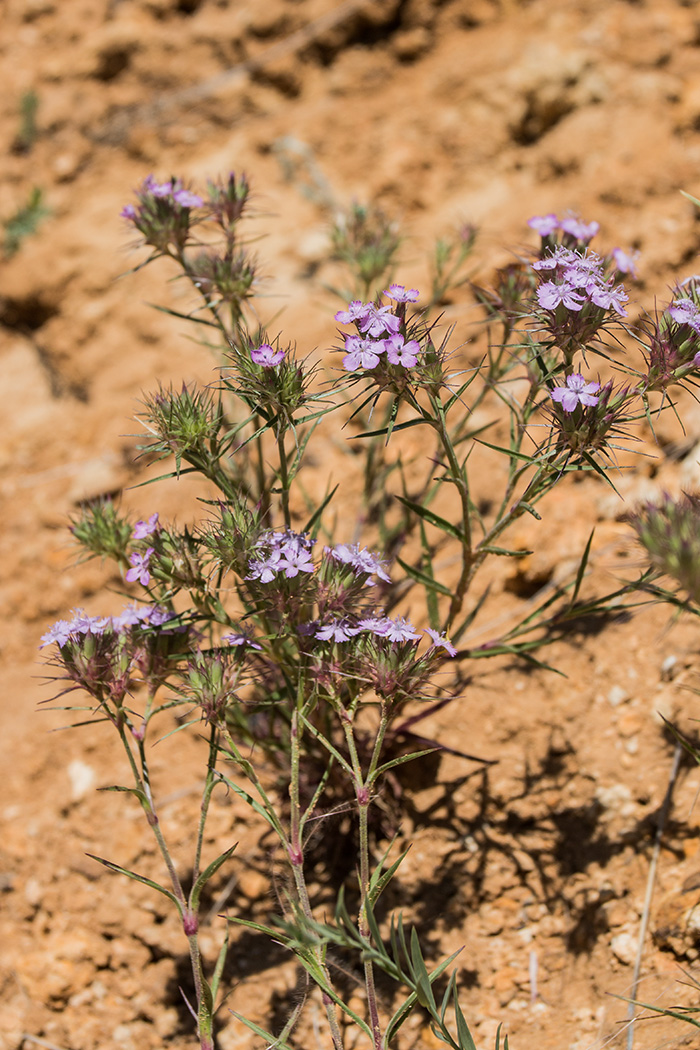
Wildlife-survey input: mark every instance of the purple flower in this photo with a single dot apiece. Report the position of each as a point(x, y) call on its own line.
point(145, 528)
point(362, 353)
point(186, 199)
point(128, 212)
point(265, 355)
point(139, 570)
point(440, 641)
point(264, 569)
point(400, 630)
point(59, 632)
point(336, 631)
point(378, 625)
point(608, 297)
point(356, 311)
point(400, 352)
point(156, 616)
point(157, 189)
point(576, 392)
point(550, 295)
point(400, 294)
point(240, 638)
point(84, 624)
point(295, 560)
point(625, 262)
point(131, 616)
point(379, 319)
point(683, 311)
point(545, 225)
point(361, 560)
point(581, 231)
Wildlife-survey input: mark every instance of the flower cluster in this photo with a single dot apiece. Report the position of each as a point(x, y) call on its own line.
point(674, 339)
point(573, 230)
point(670, 534)
point(162, 214)
point(380, 332)
point(65, 631)
point(576, 392)
point(269, 378)
point(287, 553)
point(576, 279)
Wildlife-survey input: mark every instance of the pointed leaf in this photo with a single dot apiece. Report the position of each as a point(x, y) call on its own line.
point(429, 582)
point(433, 519)
point(206, 875)
point(319, 510)
point(138, 878)
point(420, 970)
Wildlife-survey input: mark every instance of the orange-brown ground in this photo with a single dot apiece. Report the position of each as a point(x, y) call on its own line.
point(480, 110)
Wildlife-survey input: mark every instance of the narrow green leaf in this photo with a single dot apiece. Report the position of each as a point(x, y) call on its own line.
point(464, 1036)
point(380, 878)
point(183, 317)
point(582, 568)
point(420, 970)
point(433, 519)
point(138, 878)
point(219, 968)
point(206, 875)
point(275, 1043)
point(693, 200)
point(400, 762)
point(140, 795)
point(388, 430)
point(511, 453)
point(530, 509)
point(503, 552)
point(428, 581)
point(319, 510)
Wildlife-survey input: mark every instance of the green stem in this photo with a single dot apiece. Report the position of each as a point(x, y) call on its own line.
point(284, 478)
point(295, 854)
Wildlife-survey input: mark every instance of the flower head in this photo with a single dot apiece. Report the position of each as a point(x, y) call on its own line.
point(145, 528)
point(440, 641)
point(401, 294)
point(400, 352)
point(139, 570)
point(576, 392)
point(266, 356)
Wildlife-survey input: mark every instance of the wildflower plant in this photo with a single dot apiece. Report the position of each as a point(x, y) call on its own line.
point(290, 647)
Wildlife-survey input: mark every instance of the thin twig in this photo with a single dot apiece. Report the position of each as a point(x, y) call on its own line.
point(663, 816)
point(27, 1038)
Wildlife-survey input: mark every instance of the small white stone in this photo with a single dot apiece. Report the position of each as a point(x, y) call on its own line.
point(82, 779)
point(624, 948)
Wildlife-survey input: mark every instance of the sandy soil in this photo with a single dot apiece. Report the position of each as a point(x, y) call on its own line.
point(486, 111)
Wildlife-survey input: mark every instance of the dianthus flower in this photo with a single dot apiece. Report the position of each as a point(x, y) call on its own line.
point(685, 311)
point(356, 311)
point(379, 319)
point(400, 352)
point(336, 631)
point(240, 638)
point(139, 570)
point(440, 641)
point(362, 353)
point(266, 356)
point(545, 225)
point(576, 392)
point(550, 295)
point(400, 294)
point(145, 528)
